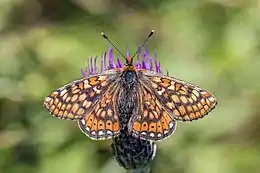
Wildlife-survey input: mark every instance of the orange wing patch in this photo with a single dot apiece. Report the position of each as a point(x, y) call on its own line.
point(152, 122)
point(76, 99)
point(102, 122)
point(183, 100)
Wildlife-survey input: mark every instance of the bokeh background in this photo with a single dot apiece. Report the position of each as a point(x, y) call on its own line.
point(212, 43)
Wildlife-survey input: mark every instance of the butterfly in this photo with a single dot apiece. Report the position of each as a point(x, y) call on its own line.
point(100, 102)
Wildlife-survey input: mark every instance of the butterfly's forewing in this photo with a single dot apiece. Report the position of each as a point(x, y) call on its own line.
point(77, 99)
point(183, 100)
point(102, 122)
point(152, 121)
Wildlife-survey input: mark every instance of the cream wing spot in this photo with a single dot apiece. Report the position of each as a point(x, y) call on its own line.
point(109, 132)
point(59, 104)
point(52, 107)
point(208, 101)
point(212, 99)
point(156, 79)
point(100, 133)
point(171, 125)
point(194, 97)
point(143, 133)
point(82, 97)
point(86, 84)
point(83, 121)
point(171, 87)
point(102, 78)
point(74, 98)
point(48, 99)
point(97, 90)
point(196, 93)
point(161, 91)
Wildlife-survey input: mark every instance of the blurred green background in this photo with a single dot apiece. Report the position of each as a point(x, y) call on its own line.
point(212, 43)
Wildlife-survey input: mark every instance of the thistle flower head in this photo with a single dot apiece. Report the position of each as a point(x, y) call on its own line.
point(108, 61)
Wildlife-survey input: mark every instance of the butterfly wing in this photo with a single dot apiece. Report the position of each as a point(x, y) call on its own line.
point(183, 100)
point(102, 122)
point(90, 101)
point(152, 121)
point(76, 99)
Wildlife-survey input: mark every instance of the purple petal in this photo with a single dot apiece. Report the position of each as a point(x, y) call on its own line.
point(138, 62)
point(105, 61)
point(91, 66)
point(84, 74)
point(144, 61)
point(157, 64)
point(151, 64)
point(119, 64)
point(111, 59)
point(146, 49)
point(144, 65)
point(101, 62)
point(159, 70)
point(101, 66)
point(95, 65)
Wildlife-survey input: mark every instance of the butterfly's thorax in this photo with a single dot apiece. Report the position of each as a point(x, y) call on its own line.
point(129, 78)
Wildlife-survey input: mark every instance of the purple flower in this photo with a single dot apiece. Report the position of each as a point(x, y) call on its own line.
point(143, 60)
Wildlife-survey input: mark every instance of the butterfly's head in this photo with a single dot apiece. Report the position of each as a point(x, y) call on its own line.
point(129, 61)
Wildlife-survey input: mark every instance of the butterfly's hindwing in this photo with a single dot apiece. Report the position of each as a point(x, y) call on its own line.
point(153, 122)
point(102, 122)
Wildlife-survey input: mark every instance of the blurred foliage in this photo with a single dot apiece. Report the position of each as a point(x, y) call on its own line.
point(212, 43)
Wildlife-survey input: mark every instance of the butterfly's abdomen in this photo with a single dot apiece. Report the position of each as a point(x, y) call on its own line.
point(127, 104)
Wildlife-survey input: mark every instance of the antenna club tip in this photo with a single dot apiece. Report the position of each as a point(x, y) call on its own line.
point(104, 35)
point(151, 33)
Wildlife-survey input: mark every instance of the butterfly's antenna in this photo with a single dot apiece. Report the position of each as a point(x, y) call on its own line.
point(151, 33)
point(104, 35)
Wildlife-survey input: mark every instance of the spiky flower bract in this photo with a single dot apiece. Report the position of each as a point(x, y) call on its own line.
point(108, 61)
